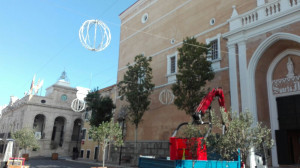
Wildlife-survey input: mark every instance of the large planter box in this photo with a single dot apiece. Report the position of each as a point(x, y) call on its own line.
point(26, 156)
point(180, 148)
point(54, 156)
point(207, 164)
point(159, 163)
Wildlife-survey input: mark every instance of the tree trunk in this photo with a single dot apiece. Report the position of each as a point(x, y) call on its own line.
point(135, 137)
point(135, 143)
point(103, 156)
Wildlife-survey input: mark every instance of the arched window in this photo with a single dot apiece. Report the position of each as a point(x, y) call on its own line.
point(76, 130)
point(58, 131)
point(38, 126)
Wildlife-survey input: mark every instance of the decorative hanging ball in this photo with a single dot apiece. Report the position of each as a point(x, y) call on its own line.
point(166, 97)
point(94, 35)
point(77, 105)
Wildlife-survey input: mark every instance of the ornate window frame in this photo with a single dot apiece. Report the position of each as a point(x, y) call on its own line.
point(216, 62)
point(171, 76)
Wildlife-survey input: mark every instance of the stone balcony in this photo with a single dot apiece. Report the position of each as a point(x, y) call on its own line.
point(262, 13)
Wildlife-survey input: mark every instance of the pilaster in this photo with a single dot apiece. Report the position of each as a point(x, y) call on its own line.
point(233, 78)
point(243, 74)
point(244, 78)
point(49, 123)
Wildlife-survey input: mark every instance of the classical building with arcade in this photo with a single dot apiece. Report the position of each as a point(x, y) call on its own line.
point(57, 126)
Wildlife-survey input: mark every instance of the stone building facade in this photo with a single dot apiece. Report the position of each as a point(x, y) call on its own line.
point(57, 127)
point(89, 149)
point(256, 60)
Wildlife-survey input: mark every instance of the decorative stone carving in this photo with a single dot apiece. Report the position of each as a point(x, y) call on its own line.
point(290, 68)
point(166, 97)
point(289, 84)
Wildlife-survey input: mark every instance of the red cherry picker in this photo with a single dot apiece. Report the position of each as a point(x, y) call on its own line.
point(178, 148)
point(180, 156)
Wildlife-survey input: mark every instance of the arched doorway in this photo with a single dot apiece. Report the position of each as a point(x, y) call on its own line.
point(284, 97)
point(57, 137)
point(76, 130)
point(260, 80)
point(39, 126)
point(2, 147)
point(76, 137)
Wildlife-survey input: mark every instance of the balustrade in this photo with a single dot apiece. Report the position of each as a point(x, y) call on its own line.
point(262, 12)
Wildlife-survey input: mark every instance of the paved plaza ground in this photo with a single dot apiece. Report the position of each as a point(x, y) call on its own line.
point(65, 163)
point(68, 163)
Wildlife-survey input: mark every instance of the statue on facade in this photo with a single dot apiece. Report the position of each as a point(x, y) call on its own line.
point(290, 68)
point(64, 76)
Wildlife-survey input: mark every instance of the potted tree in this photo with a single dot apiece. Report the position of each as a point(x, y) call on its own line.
point(105, 133)
point(54, 146)
point(25, 139)
point(242, 133)
point(241, 136)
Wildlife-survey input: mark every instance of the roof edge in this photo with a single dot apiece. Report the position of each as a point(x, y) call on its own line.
point(130, 8)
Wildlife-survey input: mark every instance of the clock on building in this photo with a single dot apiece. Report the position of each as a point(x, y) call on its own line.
point(64, 97)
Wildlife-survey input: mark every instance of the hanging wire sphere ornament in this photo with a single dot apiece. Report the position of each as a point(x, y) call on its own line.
point(94, 35)
point(77, 105)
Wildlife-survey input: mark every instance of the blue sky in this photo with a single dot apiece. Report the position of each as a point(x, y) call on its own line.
point(41, 37)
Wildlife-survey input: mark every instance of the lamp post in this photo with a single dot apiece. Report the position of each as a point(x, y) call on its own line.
point(121, 118)
point(79, 126)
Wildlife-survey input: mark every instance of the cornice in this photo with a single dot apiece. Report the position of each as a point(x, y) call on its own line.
point(131, 8)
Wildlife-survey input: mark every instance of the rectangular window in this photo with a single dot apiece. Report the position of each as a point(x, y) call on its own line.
point(96, 153)
point(214, 50)
point(83, 134)
point(141, 76)
point(171, 67)
point(88, 152)
point(81, 153)
point(90, 137)
point(173, 64)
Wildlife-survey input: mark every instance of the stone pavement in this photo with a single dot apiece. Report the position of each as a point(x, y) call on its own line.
point(46, 162)
point(67, 162)
point(109, 165)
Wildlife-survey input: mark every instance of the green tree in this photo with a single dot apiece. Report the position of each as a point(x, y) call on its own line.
point(101, 107)
point(105, 133)
point(136, 88)
point(25, 139)
point(194, 70)
point(242, 133)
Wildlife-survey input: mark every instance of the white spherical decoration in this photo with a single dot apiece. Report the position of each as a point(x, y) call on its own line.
point(77, 105)
point(94, 35)
point(166, 97)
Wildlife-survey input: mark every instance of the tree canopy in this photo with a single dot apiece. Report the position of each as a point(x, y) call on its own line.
point(25, 138)
point(101, 107)
point(104, 133)
point(241, 133)
point(136, 87)
point(194, 70)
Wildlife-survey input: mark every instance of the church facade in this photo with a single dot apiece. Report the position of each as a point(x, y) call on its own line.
point(256, 49)
point(57, 127)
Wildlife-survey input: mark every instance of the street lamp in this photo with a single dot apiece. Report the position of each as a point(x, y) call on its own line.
point(121, 118)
